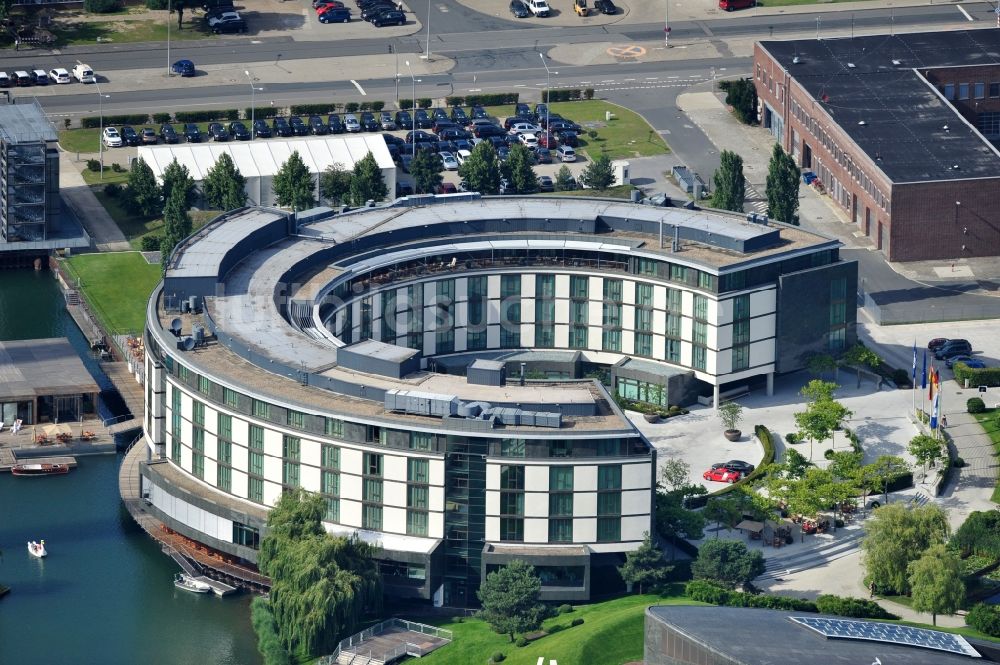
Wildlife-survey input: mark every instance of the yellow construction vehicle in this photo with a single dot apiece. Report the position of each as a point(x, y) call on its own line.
point(580, 7)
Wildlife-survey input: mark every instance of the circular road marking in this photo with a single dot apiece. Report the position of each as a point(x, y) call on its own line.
point(627, 51)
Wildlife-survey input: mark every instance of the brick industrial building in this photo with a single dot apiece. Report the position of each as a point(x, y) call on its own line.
point(900, 130)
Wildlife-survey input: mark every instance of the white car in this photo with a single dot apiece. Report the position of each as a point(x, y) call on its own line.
point(351, 123)
point(59, 75)
point(463, 155)
point(112, 138)
point(524, 128)
point(224, 17)
point(449, 161)
point(84, 74)
point(566, 154)
point(528, 140)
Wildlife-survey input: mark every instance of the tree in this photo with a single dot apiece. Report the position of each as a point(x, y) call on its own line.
point(481, 170)
point(731, 413)
point(783, 187)
point(5, 6)
point(936, 582)
point(859, 354)
point(926, 450)
point(335, 183)
point(143, 191)
point(510, 599)
point(293, 184)
point(675, 474)
point(178, 6)
point(224, 185)
point(177, 175)
point(426, 170)
point(564, 180)
point(823, 414)
point(367, 183)
point(598, 174)
point(321, 585)
point(821, 363)
point(795, 463)
point(674, 521)
point(845, 465)
point(895, 536)
point(817, 391)
point(730, 185)
point(741, 94)
point(884, 470)
point(645, 566)
point(727, 562)
point(518, 170)
point(176, 223)
point(722, 510)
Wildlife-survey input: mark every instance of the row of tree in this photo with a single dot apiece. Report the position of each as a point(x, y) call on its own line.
point(782, 186)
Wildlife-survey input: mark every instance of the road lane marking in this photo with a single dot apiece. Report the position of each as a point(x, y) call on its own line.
point(358, 86)
point(626, 51)
point(964, 13)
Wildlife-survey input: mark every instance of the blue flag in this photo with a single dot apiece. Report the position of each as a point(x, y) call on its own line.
point(913, 375)
point(934, 412)
point(923, 375)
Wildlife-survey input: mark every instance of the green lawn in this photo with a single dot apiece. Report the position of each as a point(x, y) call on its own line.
point(612, 633)
point(624, 136)
point(125, 31)
point(116, 286)
point(990, 424)
point(88, 140)
point(135, 227)
point(94, 177)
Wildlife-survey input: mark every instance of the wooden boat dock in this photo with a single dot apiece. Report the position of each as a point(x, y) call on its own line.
point(8, 459)
point(132, 394)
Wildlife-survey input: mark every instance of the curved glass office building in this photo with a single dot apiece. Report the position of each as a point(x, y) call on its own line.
point(442, 371)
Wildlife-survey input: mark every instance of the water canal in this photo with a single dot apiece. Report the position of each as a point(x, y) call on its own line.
point(105, 593)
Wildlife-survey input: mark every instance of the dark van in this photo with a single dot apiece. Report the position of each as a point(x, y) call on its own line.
point(730, 5)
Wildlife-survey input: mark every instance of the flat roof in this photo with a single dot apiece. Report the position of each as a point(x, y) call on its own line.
point(891, 111)
point(25, 123)
point(32, 368)
point(201, 255)
point(374, 349)
point(751, 635)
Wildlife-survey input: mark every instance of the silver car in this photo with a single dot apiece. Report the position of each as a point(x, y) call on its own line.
point(449, 161)
point(351, 123)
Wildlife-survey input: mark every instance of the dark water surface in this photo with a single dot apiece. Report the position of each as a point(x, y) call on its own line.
point(105, 592)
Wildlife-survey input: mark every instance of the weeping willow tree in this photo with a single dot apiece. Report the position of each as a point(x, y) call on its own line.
point(321, 585)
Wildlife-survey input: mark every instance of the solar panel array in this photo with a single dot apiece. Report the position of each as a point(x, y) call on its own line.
point(850, 629)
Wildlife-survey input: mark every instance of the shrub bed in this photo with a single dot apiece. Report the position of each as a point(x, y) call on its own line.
point(858, 608)
point(988, 376)
point(975, 405)
point(984, 618)
point(110, 120)
point(491, 99)
point(207, 114)
point(706, 592)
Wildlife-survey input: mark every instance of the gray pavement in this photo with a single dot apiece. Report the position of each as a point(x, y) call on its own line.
point(103, 230)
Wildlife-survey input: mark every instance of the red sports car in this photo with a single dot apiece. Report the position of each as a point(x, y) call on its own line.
point(721, 475)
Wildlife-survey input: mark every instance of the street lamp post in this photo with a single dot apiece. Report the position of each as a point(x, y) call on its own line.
point(253, 107)
point(100, 137)
point(168, 37)
point(548, 75)
point(666, 25)
point(427, 55)
point(413, 114)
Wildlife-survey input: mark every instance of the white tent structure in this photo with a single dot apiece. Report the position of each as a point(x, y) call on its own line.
point(259, 160)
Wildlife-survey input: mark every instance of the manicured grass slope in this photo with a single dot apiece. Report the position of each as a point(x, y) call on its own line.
point(612, 633)
point(990, 424)
point(116, 286)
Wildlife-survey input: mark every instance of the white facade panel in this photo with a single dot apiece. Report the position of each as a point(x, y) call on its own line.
point(536, 531)
point(585, 504)
point(585, 478)
point(636, 502)
point(762, 353)
point(394, 467)
point(393, 493)
point(492, 529)
point(350, 511)
point(635, 476)
point(536, 478)
point(584, 530)
point(492, 502)
point(394, 520)
point(634, 528)
point(309, 478)
point(536, 504)
point(762, 302)
point(763, 327)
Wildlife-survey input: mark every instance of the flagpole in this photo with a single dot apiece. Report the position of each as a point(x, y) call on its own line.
point(913, 379)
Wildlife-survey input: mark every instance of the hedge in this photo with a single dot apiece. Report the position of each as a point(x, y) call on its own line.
point(901, 482)
point(975, 405)
point(312, 109)
point(101, 6)
point(988, 376)
point(979, 534)
point(491, 99)
point(764, 436)
point(110, 120)
point(260, 112)
point(160, 118)
point(206, 115)
point(858, 608)
point(706, 592)
point(984, 618)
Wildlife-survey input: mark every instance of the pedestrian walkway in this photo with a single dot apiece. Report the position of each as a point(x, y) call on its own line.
point(78, 196)
point(971, 487)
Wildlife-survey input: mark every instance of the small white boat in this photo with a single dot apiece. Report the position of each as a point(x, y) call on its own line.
point(37, 549)
point(188, 583)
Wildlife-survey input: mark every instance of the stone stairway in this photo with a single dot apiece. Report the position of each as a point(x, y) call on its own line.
point(779, 566)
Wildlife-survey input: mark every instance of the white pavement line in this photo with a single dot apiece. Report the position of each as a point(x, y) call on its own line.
point(964, 13)
point(358, 86)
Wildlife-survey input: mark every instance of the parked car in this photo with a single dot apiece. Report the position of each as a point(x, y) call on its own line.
point(452, 134)
point(547, 140)
point(392, 139)
point(458, 116)
point(335, 15)
point(736, 465)
point(543, 156)
point(449, 161)
point(59, 75)
point(391, 17)
point(503, 152)
point(318, 126)
point(404, 120)
point(936, 343)
point(405, 160)
point(23, 79)
point(167, 133)
point(446, 188)
point(84, 74)
point(519, 9)
point(524, 128)
point(351, 123)
point(479, 113)
point(322, 5)
point(973, 363)
point(462, 155)
point(335, 124)
point(261, 129)
point(5, 80)
point(730, 5)
point(214, 18)
point(953, 347)
point(530, 141)
point(423, 120)
point(605, 7)
point(721, 475)
point(446, 146)
point(369, 123)
point(485, 131)
point(418, 136)
point(566, 154)
point(568, 137)
point(280, 127)
point(111, 138)
point(371, 10)
point(149, 136)
point(299, 128)
point(192, 133)
point(545, 184)
point(228, 25)
point(239, 131)
point(511, 120)
point(39, 77)
point(218, 132)
point(183, 68)
point(130, 136)
point(386, 122)
point(950, 362)
point(463, 144)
